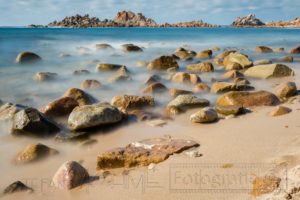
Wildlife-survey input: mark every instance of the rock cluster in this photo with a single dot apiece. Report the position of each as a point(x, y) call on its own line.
point(249, 20)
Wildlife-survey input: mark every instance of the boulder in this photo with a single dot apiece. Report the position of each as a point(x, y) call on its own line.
point(60, 107)
point(103, 46)
point(225, 54)
point(152, 79)
point(34, 152)
point(44, 76)
point(263, 49)
point(143, 153)
point(280, 110)
point(278, 50)
point(128, 102)
point(201, 67)
point(230, 110)
point(90, 84)
point(236, 61)
point(218, 61)
point(163, 63)
point(131, 48)
point(269, 71)
point(30, 121)
point(295, 50)
point(8, 110)
point(205, 54)
point(286, 90)
point(247, 21)
point(121, 75)
point(262, 62)
point(201, 87)
point(80, 96)
point(88, 116)
point(173, 92)
point(184, 54)
point(182, 77)
point(187, 101)
point(232, 74)
point(17, 186)
point(155, 88)
point(102, 67)
point(264, 185)
point(289, 59)
point(247, 99)
point(27, 57)
point(221, 87)
point(205, 115)
point(70, 175)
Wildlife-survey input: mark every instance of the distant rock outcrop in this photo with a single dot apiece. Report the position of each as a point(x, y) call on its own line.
point(198, 23)
point(249, 20)
point(130, 19)
point(293, 24)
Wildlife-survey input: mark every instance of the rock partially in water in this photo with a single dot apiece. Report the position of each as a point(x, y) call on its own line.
point(121, 75)
point(263, 49)
point(232, 74)
point(143, 153)
point(80, 96)
point(221, 87)
point(205, 115)
point(34, 152)
point(131, 48)
point(236, 61)
point(230, 110)
point(269, 71)
point(155, 88)
point(152, 79)
point(163, 63)
point(81, 72)
point(60, 107)
point(278, 49)
point(128, 102)
point(286, 90)
point(288, 59)
point(262, 62)
point(90, 84)
point(247, 21)
point(201, 67)
point(187, 101)
point(205, 54)
point(44, 76)
point(280, 110)
point(102, 67)
point(173, 92)
point(247, 99)
point(183, 77)
point(8, 110)
point(30, 121)
point(103, 46)
point(184, 54)
point(17, 186)
point(225, 54)
point(27, 57)
point(295, 50)
point(89, 116)
point(70, 175)
point(201, 87)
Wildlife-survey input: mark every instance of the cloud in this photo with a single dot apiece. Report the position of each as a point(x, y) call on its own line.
point(22, 12)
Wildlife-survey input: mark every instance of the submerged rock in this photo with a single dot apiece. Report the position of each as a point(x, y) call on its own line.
point(205, 115)
point(141, 63)
point(184, 54)
point(263, 49)
point(182, 77)
point(280, 110)
point(143, 153)
point(90, 84)
point(269, 71)
point(17, 186)
point(232, 74)
point(34, 152)
point(201, 67)
point(247, 99)
point(103, 46)
point(173, 92)
point(70, 175)
point(155, 88)
point(81, 72)
point(262, 62)
point(60, 107)
point(89, 116)
point(128, 102)
point(163, 63)
point(30, 121)
point(121, 75)
point(205, 54)
point(236, 61)
point(152, 79)
point(131, 48)
point(80, 96)
point(102, 67)
point(186, 101)
point(289, 59)
point(295, 50)
point(8, 110)
point(44, 76)
point(286, 90)
point(27, 57)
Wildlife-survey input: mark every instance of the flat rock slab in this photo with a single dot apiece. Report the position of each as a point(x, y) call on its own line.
point(143, 153)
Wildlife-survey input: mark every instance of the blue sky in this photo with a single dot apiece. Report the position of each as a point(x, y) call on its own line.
point(24, 12)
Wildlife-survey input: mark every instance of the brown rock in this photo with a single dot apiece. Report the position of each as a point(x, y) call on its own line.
point(186, 101)
point(220, 87)
point(236, 61)
point(90, 84)
point(205, 54)
point(44, 76)
point(27, 57)
point(205, 115)
point(103, 46)
point(182, 77)
point(131, 48)
point(163, 63)
point(278, 50)
point(184, 54)
point(60, 107)
point(108, 67)
point(225, 54)
point(152, 79)
point(284, 59)
point(155, 88)
point(201, 67)
point(262, 62)
point(128, 102)
point(295, 50)
point(201, 87)
point(80, 96)
point(280, 110)
point(232, 74)
point(263, 49)
point(264, 185)
point(229, 110)
point(175, 92)
point(17, 186)
point(269, 71)
point(286, 90)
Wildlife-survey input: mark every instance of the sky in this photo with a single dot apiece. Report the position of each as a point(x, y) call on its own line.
point(222, 12)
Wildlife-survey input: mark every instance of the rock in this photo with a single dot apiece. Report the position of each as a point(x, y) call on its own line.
point(295, 50)
point(30, 121)
point(60, 107)
point(121, 75)
point(230, 110)
point(193, 154)
point(278, 50)
point(27, 57)
point(89, 116)
point(188, 101)
point(220, 87)
point(286, 90)
point(269, 71)
point(263, 49)
point(80, 96)
point(34, 152)
point(128, 102)
point(173, 92)
point(247, 21)
point(81, 72)
point(108, 67)
point(264, 185)
point(280, 110)
point(163, 63)
point(90, 84)
point(225, 54)
point(205, 54)
point(215, 49)
point(182, 77)
point(8, 110)
point(64, 55)
point(173, 110)
point(289, 24)
point(205, 115)
point(201, 87)
point(232, 74)
point(152, 79)
point(262, 62)
point(17, 186)
point(70, 175)
point(247, 99)
point(131, 48)
point(218, 61)
point(103, 46)
point(156, 122)
point(143, 153)
point(142, 115)
point(236, 61)
point(155, 88)
point(131, 19)
point(284, 59)
point(201, 67)
point(142, 63)
point(239, 82)
point(44, 76)
point(184, 54)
